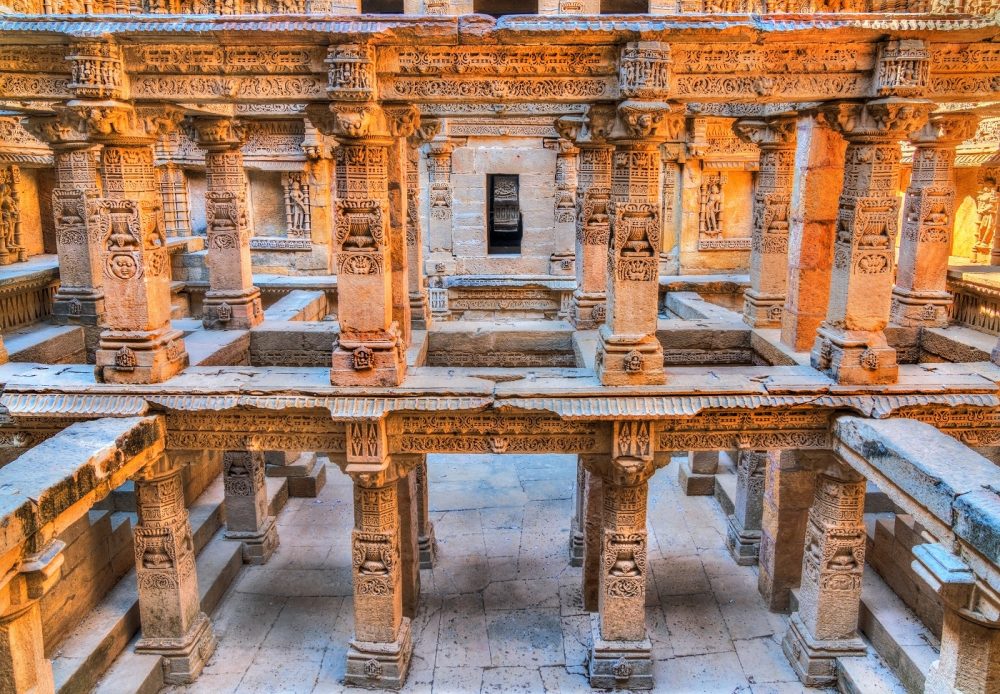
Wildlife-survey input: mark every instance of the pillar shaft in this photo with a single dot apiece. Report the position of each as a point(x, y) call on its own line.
point(920, 297)
point(851, 344)
point(425, 528)
point(232, 301)
point(765, 299)
point(969, 662)
point(247, 518)
point(576, 527)
point(819, 173)
point(789, 482)
point(24, 669)
point(744, 529)
point(408, 544)
point(173, 624)
point(398, 246)
point(825, 626)
point(593, 221)
point(379, 653)
point(138, 344)
point(419, 308)
point(593, 533)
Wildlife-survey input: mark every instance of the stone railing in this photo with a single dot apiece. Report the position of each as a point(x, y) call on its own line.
point(976, 303)
point(27, 298)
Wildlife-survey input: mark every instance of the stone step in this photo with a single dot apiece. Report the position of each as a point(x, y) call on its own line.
point(867, 675)
point(96, 643)
point(725, 491)
point(906, 646)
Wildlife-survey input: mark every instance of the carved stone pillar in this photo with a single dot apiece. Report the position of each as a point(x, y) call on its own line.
point(765, 299)
point(593, 223)
point(789, 484)
point(593, 532)
point(621, 655)
point(920, 297)
point(24, 668)
point(420, 315)
point(826, 624)
point(173, 624)
point(672, 209)
point(850, 344)
point(577, 523)
point(969, 659)
point(370, 350)
point(743, 536)
point(408, 544)
point(439, 233)
point(232, 301)
point(629, 352)
point(402, 122)
point(819, 173)
point(379, 653)
point(75, 201)
point(247, 519)
point(138, 344)
point(426, 543)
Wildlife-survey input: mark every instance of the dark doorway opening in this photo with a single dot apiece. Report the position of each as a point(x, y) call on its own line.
point(624, 6)
point(382, 6)
point(498, 8)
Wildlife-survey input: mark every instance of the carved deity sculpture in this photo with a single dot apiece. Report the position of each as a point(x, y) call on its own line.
point(987, 206)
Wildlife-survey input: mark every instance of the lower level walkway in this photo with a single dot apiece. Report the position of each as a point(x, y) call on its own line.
point(502, 610)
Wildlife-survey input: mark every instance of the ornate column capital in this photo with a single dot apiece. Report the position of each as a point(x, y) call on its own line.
point(879, 119)
point(570, 127)
point(425, 131)
point(777, 132)
point(364, 120)
point(217, 133)
point(946, 129)
point(651, 121)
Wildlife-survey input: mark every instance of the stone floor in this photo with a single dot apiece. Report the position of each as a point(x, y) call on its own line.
point(501, 611)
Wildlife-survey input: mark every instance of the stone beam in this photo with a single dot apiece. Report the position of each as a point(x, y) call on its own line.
point(928, 474)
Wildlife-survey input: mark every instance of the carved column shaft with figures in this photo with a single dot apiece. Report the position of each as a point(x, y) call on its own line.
point(232, 301)
point(247, 517)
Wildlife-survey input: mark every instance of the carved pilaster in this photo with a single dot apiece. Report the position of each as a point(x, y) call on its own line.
point(138, 345)
point(576, 527)
point(247, 519)
point(987, 246)
point(920, 297)
point(370, 349)
point(232, 301)
point(765, 299)
point(744, 529)
point(850, 344)
point(173, 625)
point(402, 122)
point(628, 351)
point(12, 249)
point(176, 203)
point(439, 195)
point(419, 308)
point(24, 668)
point(566, 181)
point(426, 543)
point(593, 222)
point(826, 624)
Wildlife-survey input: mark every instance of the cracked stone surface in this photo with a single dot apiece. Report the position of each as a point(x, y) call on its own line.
point(502, 610)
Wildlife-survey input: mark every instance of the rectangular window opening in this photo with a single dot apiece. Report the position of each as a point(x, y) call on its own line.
point(504, 226)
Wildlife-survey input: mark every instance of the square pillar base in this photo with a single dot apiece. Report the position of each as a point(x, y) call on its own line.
point(916, 309)
point(356, 364)
point(232, 310)
point(375, 665)
point(257, 546)
point(629, 360)
point(762, 310)
point(140, 357)
point(427, 548)
point(744, 545)
point(693, 483)
point(77, 308)
point(589, 310)
point(618, 664)
point(183, 658)
point(814, 661)
point(855, 357)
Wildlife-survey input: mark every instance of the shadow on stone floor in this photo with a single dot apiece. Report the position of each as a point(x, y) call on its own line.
point(502, 610)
